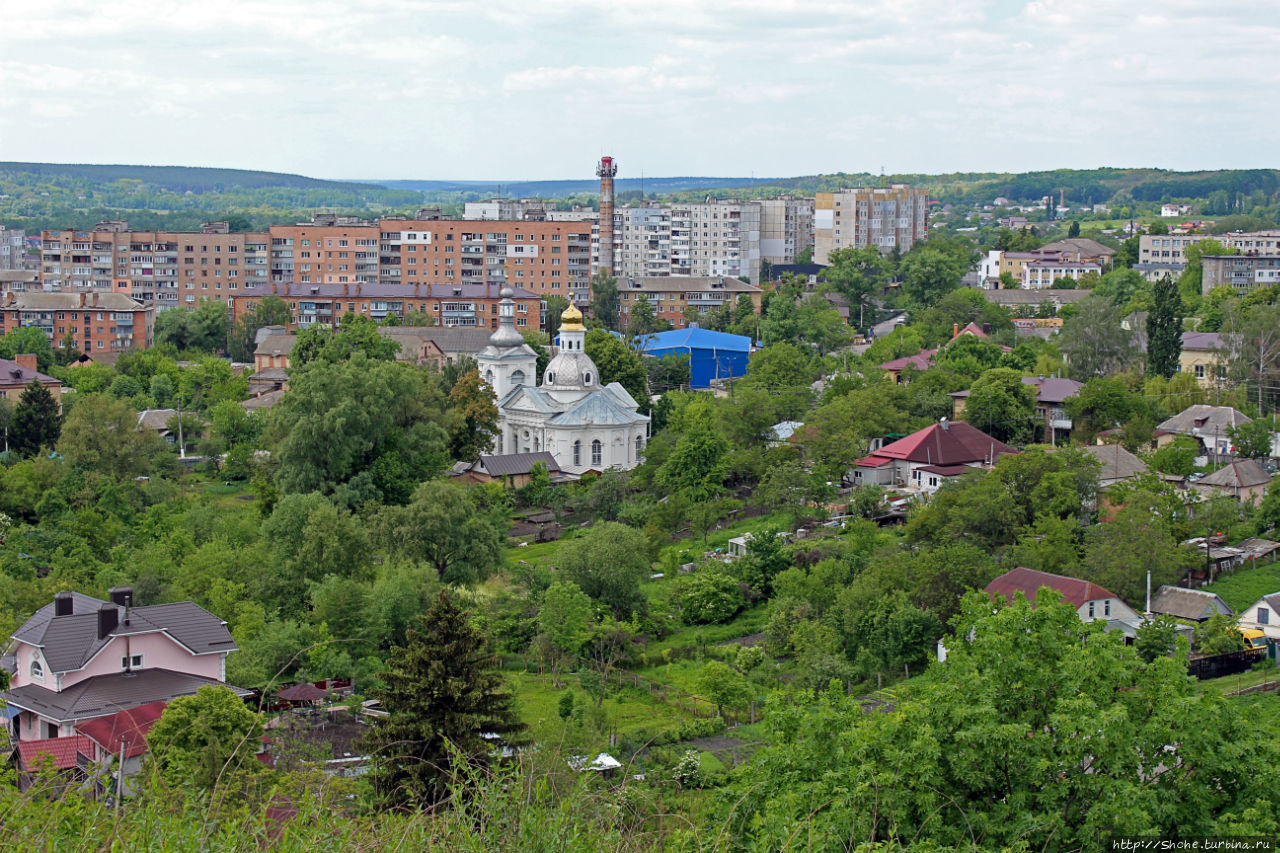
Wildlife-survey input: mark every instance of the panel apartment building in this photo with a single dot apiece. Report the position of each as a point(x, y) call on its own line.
point(1161, 254)
point(13, 248)
point(163, 269)
point(100, 323)
point(884, 217)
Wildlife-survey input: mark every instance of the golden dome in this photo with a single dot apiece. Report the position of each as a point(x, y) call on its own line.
point(571, 319)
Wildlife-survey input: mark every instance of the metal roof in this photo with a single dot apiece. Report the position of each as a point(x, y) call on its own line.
point(103, 695)
point(1028, 581)
point(517, 463)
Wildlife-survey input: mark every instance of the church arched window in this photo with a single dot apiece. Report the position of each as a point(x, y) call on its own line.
point(517, 378)
point(595, 452)
point(577, 453)
point(586, 379)
point(639, 445)
point(488, 376)
point(550, 378)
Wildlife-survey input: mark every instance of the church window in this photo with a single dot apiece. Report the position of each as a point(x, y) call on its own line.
point(595, 452)
point(639, 446)
point(488, 376)
point(551, 377)
point(517, 378)
point(586, 379)
point(577, 453)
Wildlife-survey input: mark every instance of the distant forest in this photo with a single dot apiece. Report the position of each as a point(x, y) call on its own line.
point(46, 195)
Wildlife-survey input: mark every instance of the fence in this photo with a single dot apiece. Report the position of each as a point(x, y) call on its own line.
point(1216, 666)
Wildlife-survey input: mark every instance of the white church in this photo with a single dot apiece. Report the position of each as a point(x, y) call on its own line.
point(585, 425)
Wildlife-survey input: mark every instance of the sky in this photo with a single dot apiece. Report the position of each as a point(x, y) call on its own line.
point(540, 89)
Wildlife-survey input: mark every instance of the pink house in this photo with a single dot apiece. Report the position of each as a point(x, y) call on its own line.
point(81, 658)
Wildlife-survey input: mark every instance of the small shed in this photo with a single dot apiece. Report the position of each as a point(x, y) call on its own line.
point(1194, 605)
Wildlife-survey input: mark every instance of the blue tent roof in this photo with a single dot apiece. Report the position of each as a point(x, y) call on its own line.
point(695, 338)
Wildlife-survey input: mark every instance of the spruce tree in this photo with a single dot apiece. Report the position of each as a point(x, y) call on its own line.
point(443, 693)
point(35, 421)
point(1164, 329)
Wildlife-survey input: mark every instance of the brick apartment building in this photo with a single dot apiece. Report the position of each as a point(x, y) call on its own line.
point(467, 305)
point(99, 323)
point(671, 296)
point(164, 269)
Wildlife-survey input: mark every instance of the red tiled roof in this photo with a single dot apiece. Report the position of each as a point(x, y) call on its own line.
point(957, 444)
point(129, 726)
point(63, 750)
point(921, 360)
point(872, 462)
point(1027, 581)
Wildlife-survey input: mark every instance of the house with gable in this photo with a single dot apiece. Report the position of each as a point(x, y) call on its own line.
point(1264, 615)
point(81, 659)
point(924, 360)
point(929, 457)
point(1090, 600)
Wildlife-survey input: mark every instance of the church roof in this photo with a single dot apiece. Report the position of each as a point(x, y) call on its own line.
point(600, 408)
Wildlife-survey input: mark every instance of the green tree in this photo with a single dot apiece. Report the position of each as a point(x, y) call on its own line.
point(203, 328)
point(642, 320)
point(444, 527)
point(1177, 458)
point(608, 563)
point(373, 429)
point(855, 273)
point(1002, 406)
point(723, 686)
point(1253, 341)
point(606, 305)
point(271, 310)
point(35, 422)
point(1164, 329)
point(564, 620)
point(206, 740)
point(475, 413)
point(1093, 340)
point(698, 463)
point(28, 340)
point(1039, 730)
point(1118, 555)
point(617, 363)
point(931, 270)
point(355, 333)
point(1252, 440)
point(669, 372)
point(101, 435)
point(1219, 635)
point(555, 306)
point(1102, 404)
point(444, 693)
point(709, 596)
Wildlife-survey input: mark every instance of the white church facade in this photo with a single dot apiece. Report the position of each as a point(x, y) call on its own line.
point(583, 424)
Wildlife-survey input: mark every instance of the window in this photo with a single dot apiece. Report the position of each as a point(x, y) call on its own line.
point(577, 451)
point(1091, 604)
point(1264, 616)
point(639, 445)
point(517, 378)
point(37, 671)
point(1106, 607)
point(595, 452)
point(134, 662)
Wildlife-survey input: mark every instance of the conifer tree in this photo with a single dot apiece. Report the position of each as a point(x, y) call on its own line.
point(35, 421)
point(443, 693)
point(1164, 329)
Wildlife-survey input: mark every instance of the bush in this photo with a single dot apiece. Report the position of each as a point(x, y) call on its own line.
point(700, 727)
point(708, 597)
point(688, 770)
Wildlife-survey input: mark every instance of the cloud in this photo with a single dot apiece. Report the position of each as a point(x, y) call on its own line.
point(434, 88)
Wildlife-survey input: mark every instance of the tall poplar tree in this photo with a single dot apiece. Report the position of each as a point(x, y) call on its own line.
point(1164, 329)
point(444, 693)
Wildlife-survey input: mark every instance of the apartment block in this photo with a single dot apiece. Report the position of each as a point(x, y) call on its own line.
point(1166, 253)
point(500, 209)
point(325, 251)
point(99, 323)
point(13, 248)
point(163, 269)
point(672, 295)
point(546, 258)
point(895, 217)
point(1242, 272)
point(786, 228)
point(715, 238)
point(465, 305)
point(1041, 274)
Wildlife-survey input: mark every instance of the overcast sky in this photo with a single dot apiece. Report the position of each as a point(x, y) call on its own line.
point(539, 89)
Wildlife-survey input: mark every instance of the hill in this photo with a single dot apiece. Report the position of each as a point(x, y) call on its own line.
point(196, 179)
point(562, 189)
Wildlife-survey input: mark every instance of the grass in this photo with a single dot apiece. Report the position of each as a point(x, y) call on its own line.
point(1267, 705)
point(1231, 683)
point(628, 710)
point(1246, 586)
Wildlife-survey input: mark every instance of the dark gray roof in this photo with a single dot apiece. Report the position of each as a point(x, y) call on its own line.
point(70, 642)
point(464, 339)
point(1117, 463)
point(109, 694)
point(1209, 420)
point(517, 463)
point(12, 373)
point(1238, 474)
point(1193, 604)
point(384, 290)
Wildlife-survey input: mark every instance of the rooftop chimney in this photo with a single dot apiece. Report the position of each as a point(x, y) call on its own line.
point(62, 604)
point(943, 423)
point(955, 330)
point(108, 619)
point(121, 595)
point(26, 360)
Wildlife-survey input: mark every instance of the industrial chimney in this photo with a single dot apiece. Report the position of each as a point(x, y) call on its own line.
point(605, 171)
